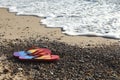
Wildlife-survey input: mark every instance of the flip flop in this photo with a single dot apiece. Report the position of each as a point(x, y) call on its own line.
point(33, 52)
point(36, 54)
point(22, 55)
point(41, 58)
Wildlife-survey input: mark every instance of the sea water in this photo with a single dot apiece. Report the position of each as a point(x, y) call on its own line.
point(75, 17)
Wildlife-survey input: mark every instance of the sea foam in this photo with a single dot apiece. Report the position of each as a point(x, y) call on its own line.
point(75, 17)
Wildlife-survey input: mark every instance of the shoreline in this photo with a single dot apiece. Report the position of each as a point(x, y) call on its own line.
point(20, 27)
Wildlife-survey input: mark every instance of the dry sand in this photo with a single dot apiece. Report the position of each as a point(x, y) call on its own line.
point(86, 63)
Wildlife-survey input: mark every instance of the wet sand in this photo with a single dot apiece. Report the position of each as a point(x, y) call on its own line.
point(81, 57)
point(13, 27)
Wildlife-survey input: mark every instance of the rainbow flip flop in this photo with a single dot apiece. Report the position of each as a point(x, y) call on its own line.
point(37, 54)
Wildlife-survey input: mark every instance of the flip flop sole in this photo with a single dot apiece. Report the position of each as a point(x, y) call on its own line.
point(32, 58)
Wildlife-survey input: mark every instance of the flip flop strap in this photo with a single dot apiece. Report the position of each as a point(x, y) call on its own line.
point(39, 52)
point(44, 57)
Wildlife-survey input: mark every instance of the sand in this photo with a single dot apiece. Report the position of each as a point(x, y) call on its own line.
point(12, 27)
point(81, 57)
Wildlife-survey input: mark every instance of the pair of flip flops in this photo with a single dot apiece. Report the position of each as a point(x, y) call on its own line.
point(36, 54)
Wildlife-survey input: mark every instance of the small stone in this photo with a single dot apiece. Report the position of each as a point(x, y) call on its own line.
point(51, 72)
point(20, 69)
point(88, 44)
point(3, 58)
point(82, 61)
point(36, 67)
point(58, 38)
point(57, 79)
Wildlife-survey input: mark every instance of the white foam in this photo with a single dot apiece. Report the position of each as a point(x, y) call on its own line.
point(75, 17)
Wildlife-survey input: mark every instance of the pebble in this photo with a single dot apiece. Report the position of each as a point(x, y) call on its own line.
point(20, 69)
point(74, 61)
point(51, 72)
